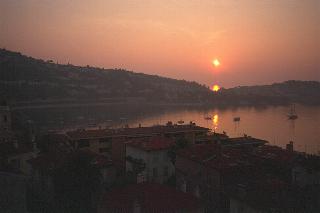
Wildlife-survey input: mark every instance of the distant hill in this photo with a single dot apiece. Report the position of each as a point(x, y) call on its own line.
point(24, 78)
point(307, 92)
point(27, 80)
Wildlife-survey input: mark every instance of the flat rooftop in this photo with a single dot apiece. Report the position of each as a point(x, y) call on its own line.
point(136, 131)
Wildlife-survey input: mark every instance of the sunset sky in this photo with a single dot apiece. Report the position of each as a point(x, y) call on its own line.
point(256, 41)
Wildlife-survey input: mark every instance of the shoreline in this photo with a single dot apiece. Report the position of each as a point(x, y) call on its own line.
point(76, 104)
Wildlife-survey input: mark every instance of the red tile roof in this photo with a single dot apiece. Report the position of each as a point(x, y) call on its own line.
point(275, 153)
point(150, 197)
point(151, 144)
point(244, 140)
point(200, 152)
point(214, 156)
point(264, 194)
point(227, 157)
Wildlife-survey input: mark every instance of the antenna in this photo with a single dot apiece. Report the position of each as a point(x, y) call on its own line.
point(274, 140)
point(305, 148)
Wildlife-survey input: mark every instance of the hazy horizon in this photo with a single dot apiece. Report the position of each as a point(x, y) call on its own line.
point(136, 71)
point(256, 42)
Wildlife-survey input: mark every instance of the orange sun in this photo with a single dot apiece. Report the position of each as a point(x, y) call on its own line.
point(215, 88)
point(216, 62)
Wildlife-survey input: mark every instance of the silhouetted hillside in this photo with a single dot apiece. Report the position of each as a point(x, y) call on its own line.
point(24, 78)
point(27, 80)
point(291, 91)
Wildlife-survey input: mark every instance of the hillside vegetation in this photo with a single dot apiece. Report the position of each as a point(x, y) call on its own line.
point(24, 79)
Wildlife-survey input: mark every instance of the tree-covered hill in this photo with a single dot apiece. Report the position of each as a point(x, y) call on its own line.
point(307, 92)
point(24, 79)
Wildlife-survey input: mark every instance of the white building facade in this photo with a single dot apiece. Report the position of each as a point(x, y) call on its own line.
point(155, 162)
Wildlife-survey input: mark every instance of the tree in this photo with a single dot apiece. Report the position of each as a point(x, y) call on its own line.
point(181, 143)
point(138, 166)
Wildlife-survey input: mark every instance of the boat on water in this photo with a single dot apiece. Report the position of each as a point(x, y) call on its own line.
point(236, 119)
point(292, 114)
point(180, 122)
point(207, 117)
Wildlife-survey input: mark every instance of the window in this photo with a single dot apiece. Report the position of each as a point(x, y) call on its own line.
point(105, 149)
point(155, 172)
point(83, 143)
point(165, 171)
point(155, 158)
point(105, 140)
point(295, 176)
point(184, 186)
point(16, 163)
point(5, 118)
point(197, 191)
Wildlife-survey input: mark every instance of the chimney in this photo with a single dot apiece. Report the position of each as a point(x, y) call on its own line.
point(289, 146)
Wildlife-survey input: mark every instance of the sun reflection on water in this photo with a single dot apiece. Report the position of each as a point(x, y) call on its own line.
point(215, 121)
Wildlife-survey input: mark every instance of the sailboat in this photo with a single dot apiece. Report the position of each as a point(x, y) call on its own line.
point(292, 115)
point(207, 117)
point(236, 119)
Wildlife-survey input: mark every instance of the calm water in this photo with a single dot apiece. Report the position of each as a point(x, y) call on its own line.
point(268, 123)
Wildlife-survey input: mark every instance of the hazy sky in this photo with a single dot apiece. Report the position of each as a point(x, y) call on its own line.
point(256, 41)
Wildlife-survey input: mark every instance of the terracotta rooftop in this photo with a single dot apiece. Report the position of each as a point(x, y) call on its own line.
point(246, 140)
point(275, 153)
point(200, 152)
point(153, 130)
point(151, 144)
point(215, 156)
point(149, 197)
point(230, 159)
point(264, 194)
